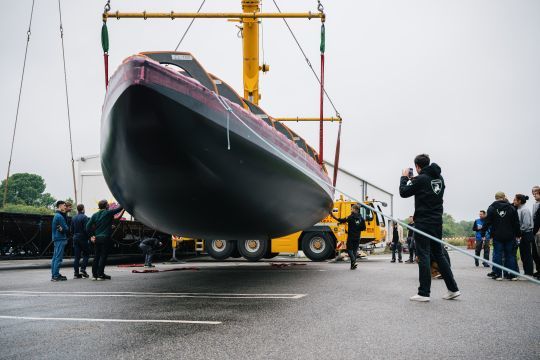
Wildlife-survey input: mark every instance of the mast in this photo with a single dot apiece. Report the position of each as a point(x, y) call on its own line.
point(250, 51)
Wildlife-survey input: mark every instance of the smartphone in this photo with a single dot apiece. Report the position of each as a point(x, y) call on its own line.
point(411, 174)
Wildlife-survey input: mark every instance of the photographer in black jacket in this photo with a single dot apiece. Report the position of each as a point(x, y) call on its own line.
point(428, 190)
point(355, 225)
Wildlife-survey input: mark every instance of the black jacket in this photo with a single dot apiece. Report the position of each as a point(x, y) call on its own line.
point(504, 221)
point(355, 225)
point(78, 227)
point(428, 191)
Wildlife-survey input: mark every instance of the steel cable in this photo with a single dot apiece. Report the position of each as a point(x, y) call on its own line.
point(189, 27)
point(28, 33)
point(67, 102)
point(308, 61)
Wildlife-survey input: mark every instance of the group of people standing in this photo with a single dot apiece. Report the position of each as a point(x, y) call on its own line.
point(511, 226)
point(84, 231)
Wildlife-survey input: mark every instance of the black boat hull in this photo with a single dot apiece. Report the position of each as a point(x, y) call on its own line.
point(165, 158)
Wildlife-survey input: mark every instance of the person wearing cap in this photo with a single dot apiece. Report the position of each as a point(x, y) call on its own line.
point(355, 226)
point(99, 227)
point(60, 230)
point(503, 220)
point(428, 191)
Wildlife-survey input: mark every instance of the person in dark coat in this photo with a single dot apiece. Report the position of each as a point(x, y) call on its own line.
point(355, 225)
point(81, 243)
point(428, 190)
point(503, 219)
point(148, 247)
point(99, 227)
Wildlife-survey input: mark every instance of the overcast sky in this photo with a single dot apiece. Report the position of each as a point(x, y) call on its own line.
point(459, 80)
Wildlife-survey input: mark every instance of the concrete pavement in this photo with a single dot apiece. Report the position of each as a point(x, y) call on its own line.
point(240, 310)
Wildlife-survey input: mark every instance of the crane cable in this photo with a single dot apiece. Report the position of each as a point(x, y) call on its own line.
point(320, 8)
point(67, 102)
point(308, 61)
point(189, 27)
point(28, 33)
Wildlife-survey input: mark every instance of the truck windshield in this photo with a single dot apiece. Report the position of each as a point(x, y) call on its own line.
point(366, 214)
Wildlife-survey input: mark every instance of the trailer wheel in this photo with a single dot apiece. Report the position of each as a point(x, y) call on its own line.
point(252, 250)
point(219, 249)
point(317, 246)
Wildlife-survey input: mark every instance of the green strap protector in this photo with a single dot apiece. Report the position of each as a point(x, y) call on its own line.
point(323, 39)
point(105, 38)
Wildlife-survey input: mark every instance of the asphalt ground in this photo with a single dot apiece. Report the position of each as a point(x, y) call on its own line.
point(240, 310)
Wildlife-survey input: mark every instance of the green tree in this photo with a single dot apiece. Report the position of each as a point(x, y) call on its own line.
point(451, 228)
point(27, 189)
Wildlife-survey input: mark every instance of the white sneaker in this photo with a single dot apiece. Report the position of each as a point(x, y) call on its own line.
point(499, 278)
point(419, 298)
point(451, 295)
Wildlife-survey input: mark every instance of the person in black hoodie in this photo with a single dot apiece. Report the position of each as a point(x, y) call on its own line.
point(355, 225)
point(428, 190)
point(503, 219)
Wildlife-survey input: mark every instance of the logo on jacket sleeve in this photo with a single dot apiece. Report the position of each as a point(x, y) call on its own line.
point(436, 185)
point(501, 213)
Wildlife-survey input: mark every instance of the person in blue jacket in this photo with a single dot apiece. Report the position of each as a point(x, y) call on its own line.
point(59, 236)
point(481, 243)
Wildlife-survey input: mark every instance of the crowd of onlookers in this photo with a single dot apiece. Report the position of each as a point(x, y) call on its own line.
point(510, 227)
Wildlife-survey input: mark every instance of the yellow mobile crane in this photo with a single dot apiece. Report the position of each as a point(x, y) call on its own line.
point(320, 242)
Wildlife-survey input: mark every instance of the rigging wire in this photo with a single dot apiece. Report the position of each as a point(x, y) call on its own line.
point(67, 101)
point(307, 59)
point(28, 33)
point(189, 27)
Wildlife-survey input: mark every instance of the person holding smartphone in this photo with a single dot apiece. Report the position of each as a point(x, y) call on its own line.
point(428, 191)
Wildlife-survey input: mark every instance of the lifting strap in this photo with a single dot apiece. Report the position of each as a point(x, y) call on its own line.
point(105, 43)
point(28, 33)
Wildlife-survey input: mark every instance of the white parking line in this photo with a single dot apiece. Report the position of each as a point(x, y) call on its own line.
point(149, 295)
point(111, 320)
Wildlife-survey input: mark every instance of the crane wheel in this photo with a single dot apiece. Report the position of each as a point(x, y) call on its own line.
point(219, 249)
point(252, 250)
point(318, 246)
